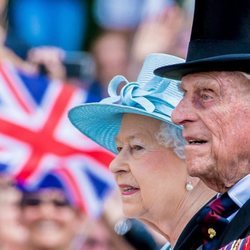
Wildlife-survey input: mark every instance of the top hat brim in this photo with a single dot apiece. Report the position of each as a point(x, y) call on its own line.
point(231, 62)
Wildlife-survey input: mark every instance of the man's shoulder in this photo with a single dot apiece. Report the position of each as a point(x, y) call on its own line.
point(243, 215)
point(238, 228)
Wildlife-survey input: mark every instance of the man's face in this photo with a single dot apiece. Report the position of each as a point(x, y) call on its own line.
point(215, 114)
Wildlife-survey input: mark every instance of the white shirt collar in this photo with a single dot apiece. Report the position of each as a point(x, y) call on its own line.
point(240, 192)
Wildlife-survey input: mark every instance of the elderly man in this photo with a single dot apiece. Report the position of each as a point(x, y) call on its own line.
point(215, 115)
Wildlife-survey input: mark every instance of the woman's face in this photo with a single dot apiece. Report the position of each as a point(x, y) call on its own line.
point(151, 178)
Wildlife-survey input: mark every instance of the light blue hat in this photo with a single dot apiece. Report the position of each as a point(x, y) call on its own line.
point(150, 95)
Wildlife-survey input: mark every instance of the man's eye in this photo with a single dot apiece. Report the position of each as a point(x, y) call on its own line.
point(206, 96)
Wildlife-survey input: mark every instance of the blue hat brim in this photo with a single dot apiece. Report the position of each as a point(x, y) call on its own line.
point(233, 62)
point(101, 122)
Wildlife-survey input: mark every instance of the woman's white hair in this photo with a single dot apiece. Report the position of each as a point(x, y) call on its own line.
point(171, 136)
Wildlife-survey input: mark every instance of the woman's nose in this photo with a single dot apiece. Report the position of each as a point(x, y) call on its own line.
point(119, 163)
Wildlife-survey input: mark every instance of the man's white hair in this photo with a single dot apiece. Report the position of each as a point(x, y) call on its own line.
point(246, 75)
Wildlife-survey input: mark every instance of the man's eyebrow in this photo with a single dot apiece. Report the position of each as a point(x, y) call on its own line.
point(207, 84)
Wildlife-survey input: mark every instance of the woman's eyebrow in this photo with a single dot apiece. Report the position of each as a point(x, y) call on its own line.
point(135, 136)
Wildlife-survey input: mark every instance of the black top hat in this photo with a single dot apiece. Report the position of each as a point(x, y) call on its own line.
point(220, 39)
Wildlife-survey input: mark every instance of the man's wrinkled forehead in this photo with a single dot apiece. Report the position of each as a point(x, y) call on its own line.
point(200, 80)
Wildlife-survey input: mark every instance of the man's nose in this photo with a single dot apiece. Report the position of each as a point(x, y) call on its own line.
point(183, 113)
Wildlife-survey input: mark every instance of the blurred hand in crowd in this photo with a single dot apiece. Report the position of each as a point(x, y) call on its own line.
point(49, 59)
point(158, 33)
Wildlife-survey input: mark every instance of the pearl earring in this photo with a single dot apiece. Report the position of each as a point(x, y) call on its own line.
point(189, 186)
point(123, 226)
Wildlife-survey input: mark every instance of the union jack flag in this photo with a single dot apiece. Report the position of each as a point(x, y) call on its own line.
point(36, 136)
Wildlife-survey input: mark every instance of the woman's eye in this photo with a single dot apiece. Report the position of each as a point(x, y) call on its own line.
point(136, 148)
point(119, 149)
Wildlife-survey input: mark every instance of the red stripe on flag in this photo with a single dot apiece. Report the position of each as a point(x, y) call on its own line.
point(12, 87)
point(71, 183)
point(59, 108)
point(42, 142)
point(47, 144)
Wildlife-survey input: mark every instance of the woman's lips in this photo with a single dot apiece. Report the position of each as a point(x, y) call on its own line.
point(128, 190)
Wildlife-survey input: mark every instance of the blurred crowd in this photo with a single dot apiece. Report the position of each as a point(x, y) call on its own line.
point(46, 219)
point(86, 43)
point(95, 40)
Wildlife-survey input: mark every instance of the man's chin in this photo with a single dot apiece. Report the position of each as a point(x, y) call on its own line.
point(197, 166)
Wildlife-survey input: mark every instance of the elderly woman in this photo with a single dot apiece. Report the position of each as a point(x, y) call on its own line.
point(149, 165)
